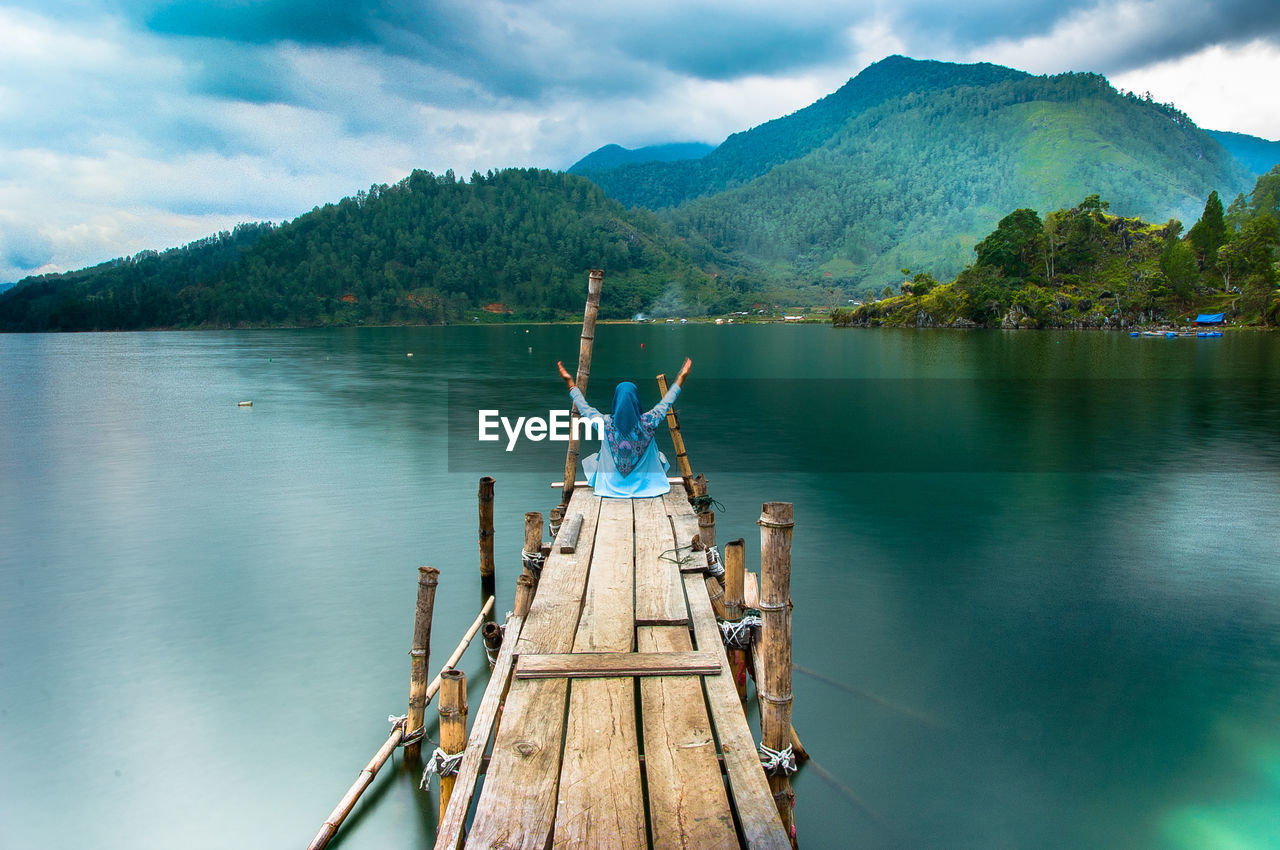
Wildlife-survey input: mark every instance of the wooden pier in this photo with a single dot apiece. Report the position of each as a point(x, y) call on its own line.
point(614, 715)
point(621, 724)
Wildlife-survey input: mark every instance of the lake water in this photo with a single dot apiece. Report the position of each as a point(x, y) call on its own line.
point(1035, 576)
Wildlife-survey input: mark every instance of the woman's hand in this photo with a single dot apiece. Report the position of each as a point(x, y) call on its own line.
point(564, 373)
point(684, 370)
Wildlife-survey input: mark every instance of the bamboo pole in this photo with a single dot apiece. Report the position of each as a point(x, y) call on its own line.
point(734, 594)
point(774, 682)
point(420, 655)
point(595, 281)
point(453, 726)
point(532, 539)
point(677, 441)
point(348, 801)
point(487, 580)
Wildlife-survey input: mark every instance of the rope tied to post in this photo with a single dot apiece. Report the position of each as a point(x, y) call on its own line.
point(441, 764)
point(737, 634)
point(778, 762)
point(532, 561)
point(407, 737)
point(705, 502)
point(714, 567)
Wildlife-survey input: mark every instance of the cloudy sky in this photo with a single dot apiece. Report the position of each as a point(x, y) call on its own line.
point(135, 124)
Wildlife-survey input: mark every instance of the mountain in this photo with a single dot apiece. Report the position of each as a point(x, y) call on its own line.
point(911, 163)
point(429, 249)
point(612, 156)
point(750, 154)
point(1257, 155)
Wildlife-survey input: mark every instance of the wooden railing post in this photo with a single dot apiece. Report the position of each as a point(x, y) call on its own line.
point(774, 682)
point(595, 281)
point(532, 552)
point(419, 656)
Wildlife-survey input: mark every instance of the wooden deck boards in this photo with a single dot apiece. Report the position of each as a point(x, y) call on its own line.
point(566, 766)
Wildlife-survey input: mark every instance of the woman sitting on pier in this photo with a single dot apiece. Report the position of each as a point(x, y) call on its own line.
point(628, 465)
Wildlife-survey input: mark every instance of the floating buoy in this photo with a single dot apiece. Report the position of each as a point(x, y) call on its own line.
point(410, 354)
point(245, 404)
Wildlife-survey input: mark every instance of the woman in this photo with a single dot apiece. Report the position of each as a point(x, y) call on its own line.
point(628, 465)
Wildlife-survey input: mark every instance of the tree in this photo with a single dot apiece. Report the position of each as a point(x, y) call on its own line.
point(1015, 246)
point(1208, 234)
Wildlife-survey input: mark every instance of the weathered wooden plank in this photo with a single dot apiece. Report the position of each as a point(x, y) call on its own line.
point(567, 539)
point(596, 665)
point(600, 799)
point(688, 805)
point(683, 520)
point(553, 616)
point(449, 831)
point(757, 813)
point(659, 593)
point(517, 806)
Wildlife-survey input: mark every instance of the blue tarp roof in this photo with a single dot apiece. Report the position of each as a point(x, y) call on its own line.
point(1210, 318)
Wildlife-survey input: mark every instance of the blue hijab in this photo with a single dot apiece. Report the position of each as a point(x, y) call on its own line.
point(627, 439)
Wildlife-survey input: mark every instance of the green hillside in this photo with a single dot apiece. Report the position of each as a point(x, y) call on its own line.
point(1083, 267)
point(429, 249)
point(917, 180)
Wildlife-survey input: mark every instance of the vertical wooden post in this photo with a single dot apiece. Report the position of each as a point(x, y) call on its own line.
point(677, 441)
point(706, 516)
point(524, 595)
point(488, 581)
point(734, 604)
point(419, 656)
point(774, 682)
point(453, 725)
point(595, 281)
point(532, 540)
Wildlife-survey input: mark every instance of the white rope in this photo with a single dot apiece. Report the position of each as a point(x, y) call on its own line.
point(441, 764)
point(532, 561)
point(736, 634)
point(407, 737)
point(713, 562)
point(778, 762)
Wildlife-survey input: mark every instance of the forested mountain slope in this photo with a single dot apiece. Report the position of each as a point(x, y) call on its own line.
point(1257, 155)
point(428, 249)
point(917, 180)
point(747, 155)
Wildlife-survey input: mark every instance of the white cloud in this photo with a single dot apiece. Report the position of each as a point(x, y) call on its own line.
point(1221, 88)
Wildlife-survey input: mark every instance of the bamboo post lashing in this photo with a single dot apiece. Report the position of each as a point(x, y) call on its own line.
point(774, 681)
point(557, 516)
point(595, 281)
point(330, 826)
point(706, 516)
point(487, 579)
point(715, 587)
point(677, 441)
point(734, 596)
point(453, 726)
point(419, 655)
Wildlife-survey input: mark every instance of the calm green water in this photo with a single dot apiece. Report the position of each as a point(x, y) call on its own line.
point(1023, 636)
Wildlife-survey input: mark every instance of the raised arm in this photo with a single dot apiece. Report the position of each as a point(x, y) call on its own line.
point(684, 372)
point(579, 400)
